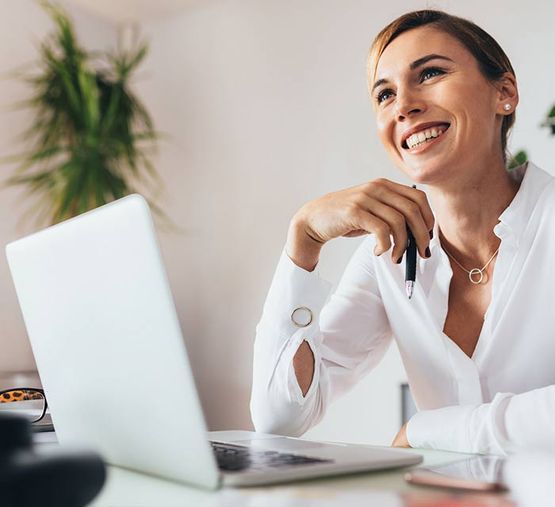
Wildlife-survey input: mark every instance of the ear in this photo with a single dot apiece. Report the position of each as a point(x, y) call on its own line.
point(507, 93)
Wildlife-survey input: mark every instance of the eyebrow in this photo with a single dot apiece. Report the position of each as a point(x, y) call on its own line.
point(415, 65)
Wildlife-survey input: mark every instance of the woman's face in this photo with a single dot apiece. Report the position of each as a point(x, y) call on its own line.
point(438, 117)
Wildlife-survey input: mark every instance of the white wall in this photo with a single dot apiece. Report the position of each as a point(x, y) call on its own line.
point(23, 25)
point(265, 104)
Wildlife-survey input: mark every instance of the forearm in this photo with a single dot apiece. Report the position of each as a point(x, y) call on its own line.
point(509, 423)
point(278, 405)
point(299, 370)
point(305, 253)
point(303, 250)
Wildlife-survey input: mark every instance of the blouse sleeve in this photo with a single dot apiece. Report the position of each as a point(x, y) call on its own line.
point(508, 423)
point(348, 336)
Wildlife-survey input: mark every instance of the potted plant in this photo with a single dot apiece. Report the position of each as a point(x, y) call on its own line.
point(521, 156)
point(550, 121)
point(91, 137)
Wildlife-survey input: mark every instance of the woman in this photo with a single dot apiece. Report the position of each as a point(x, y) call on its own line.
point(476, 337)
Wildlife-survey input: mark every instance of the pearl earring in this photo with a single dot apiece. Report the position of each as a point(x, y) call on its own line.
point(507, 107)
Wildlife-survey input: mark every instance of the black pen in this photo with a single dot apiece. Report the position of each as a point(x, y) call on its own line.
point(410, 262)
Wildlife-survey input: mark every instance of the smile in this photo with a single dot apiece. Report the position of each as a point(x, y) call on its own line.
point(426, 135)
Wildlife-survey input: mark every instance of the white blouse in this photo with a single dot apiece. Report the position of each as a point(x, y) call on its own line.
point(501, 399)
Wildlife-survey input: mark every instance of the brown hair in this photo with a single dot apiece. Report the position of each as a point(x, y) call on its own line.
point(492, 60)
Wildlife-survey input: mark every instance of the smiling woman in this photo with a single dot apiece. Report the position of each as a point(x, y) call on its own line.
point(458, 85)
point(444, 95)
point(492, 61)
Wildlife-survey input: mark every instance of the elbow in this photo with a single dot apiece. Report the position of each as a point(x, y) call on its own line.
point(288, 418)
point(275, 426)
point(265, 420)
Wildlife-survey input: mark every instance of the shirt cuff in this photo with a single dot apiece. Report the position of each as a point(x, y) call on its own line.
point(476, 429)
point(294, 288)
point(443, 428)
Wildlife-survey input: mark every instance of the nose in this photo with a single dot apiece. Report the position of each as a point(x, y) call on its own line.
point(408, 104)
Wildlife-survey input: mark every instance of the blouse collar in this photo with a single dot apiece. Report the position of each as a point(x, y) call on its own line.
point(517, 214)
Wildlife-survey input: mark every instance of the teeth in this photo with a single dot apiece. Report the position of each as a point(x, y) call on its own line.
point(421, 137)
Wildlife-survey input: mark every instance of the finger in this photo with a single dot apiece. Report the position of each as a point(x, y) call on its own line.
point(414, 194)
point(395, 221)
point(374, 225)
point(355, 234)
point(417, 226)
point(422, 200)
point(411, 211)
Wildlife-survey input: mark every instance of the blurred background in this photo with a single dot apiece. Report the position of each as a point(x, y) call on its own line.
point(262, 106)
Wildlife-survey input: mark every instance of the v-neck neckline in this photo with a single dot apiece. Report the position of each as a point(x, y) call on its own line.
point(445, 310)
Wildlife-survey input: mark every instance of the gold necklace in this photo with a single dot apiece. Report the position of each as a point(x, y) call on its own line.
point(475, 271)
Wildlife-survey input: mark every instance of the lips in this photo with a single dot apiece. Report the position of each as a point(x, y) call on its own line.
point(421, 128)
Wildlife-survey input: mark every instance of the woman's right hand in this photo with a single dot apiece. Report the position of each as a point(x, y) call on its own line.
point(380, 207)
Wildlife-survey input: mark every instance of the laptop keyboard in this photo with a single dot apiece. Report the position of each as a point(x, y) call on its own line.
point(235, 458)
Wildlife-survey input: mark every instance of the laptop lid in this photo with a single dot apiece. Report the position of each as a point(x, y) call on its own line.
point(107, 342)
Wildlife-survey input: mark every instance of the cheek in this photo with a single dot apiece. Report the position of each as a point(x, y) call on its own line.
point(470, 103)
point(385, 131)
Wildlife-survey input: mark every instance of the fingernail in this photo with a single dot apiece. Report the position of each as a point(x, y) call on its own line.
point(431, 233)
point(399, 260)
point(428, 253)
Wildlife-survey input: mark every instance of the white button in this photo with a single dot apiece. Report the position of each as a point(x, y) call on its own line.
point(301, 316)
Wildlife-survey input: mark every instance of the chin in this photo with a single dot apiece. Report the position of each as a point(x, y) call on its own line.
point(425, 172)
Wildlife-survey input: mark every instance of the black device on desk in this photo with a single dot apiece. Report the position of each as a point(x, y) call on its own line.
point(59, 478)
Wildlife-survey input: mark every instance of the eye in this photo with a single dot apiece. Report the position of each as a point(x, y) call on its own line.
point(383, 95)
point(430, 72)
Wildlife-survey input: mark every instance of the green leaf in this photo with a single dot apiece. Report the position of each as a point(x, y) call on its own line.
point(91, 138)
point(520, 158)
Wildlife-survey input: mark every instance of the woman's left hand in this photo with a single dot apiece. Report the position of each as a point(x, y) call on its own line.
point(401, 439)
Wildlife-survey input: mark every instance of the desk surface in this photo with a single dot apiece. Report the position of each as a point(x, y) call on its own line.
point(383, 489)
point(528, 474)
point(380, 489)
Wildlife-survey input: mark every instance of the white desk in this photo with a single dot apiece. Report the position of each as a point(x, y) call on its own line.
point(530, 477)
point(380, 489)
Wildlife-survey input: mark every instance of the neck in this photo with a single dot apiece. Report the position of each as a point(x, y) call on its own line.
point(467, 211)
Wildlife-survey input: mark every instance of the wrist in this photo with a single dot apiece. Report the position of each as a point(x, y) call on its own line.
point(302, 249)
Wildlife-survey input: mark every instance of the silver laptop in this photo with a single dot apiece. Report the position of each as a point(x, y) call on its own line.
point(108, 346)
